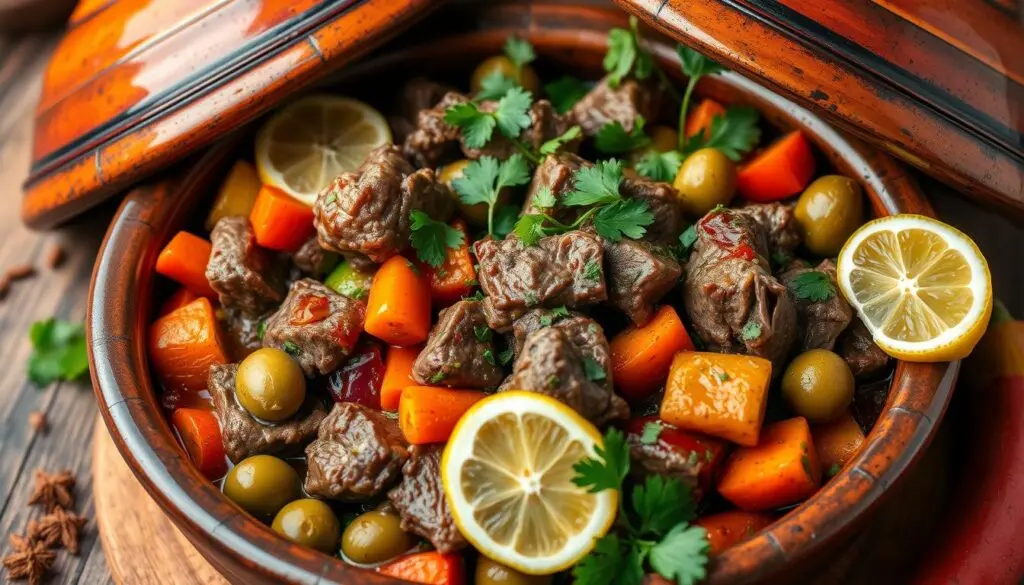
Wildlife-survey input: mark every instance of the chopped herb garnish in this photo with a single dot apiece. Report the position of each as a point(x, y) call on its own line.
point(554, 315)
point(291, 348)
point(813, 286)
point(531, 299)
point(58, 352)
point(592, 271)
point(553, 382)
point(438, 377)
point(651, 432)
point(430, 238)
point(805, 461)
point(709, 456)
point(780, 259)
point(544, 198)
point(722, 376)
point(483, 179)
point(595, 371)
point(695, 65)
point(564, 92)
point(692, 459)
point(552, 146)
point(660, 166)
point(476, 296)
point(330, 199)
point(261, 330)
point(489, 356)
point(612, 138)
point(505, 357)
point(483, 333)
point(687, 239)
point(750, 331)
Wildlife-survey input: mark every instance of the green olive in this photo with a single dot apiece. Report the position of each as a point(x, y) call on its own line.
point(270, 384)
point(310, 523)
point(490, 572)
point(374, 538)
point(828, 212)
point(818, 385)
point(262, 485)
point(525, 77)
point(705, 179)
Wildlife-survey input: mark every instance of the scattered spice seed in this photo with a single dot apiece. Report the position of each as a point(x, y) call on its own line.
point(53, 490)
point(37, 420)
point(55, 257)
point(20, 272)
point(58, 527)
point(29, 559)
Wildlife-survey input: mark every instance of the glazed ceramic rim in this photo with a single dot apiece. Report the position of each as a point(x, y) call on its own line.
point(240, 546)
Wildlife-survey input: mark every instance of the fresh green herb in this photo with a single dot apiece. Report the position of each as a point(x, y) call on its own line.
point(505, 217)
point(813, 286)
point(510, 117)
point(261, 330)
point(552, 146)
point(330, 199)
point(627, 55)
point(709, 456)
point(750, 331)
point(833, 470)
point(655, 529)
point(554, 315)
point(544, 198)
point(494, 85)
point(489, 356)
point(430, 238)
point(652, 431)
point(483, 333)
point(483, 179)
point(734, 133)
point(723, 376)
point(687, 239)
point(531, 299)
point(597, 184)
point(780, 259)
point(595, 371)
point(505, 357)
point(563, 93)
point(291, 348)
point(660, 166)
point(476, 296)
point(805, 461)
point(612, 138)
point(520, 52)
point(58, 352)
point(694, 65)
point(530, 228)
point(592, 271)
point(692, 459)
point(438, 377)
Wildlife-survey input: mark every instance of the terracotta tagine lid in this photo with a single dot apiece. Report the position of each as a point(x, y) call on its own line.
point(938, 83)
point(137, 84)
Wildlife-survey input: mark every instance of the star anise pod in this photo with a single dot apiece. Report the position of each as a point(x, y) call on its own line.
point(58, 527)
point(53, 490)
point(29, 559)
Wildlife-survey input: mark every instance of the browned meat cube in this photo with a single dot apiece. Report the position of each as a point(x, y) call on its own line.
point(604, 104)
point(821, 321)
point(245, 276)
point(421, 503)
point(859, 350)
point(459, 352)
point(777, 220)
point(639, 275)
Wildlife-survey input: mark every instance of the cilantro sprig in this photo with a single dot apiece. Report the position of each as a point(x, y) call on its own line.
point(564, 92)
point(495, 84)
point(814, 286)
point(511, 116)
point(58, 352)
point(520, 52)
point(695, 65)
point(483, 179)
point(627, 55)
point(597, 187)
point(430, 238)
point(612, 138)
point(653, 530)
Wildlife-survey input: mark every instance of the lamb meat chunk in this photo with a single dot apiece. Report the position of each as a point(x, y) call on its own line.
point(311, 259)
point(459, 352)
point(244, 436)
point(778, 222)
point(821, 321)
point(555, 173)
point(421, 503)
point(639, 275)
point(434, 141)
point(585, 333)
point(605, 104)
point(657, 458)
point(245, 276)
point(316, 326)
point(663, 202)
point(565, 269)
point(366, 213)
point(734, 302)
point(552, 364)
point(860, 352)
point(358, 453)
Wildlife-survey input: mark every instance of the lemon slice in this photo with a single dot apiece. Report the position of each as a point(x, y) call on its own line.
point(302, 148)
point(922, 287)
point(507, 473)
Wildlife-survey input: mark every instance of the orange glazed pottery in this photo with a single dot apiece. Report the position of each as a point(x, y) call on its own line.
point(125, 293)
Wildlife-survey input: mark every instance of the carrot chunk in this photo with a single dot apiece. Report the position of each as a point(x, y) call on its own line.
point(199, 432)
point(456, 277)
point(701, 116)
point(641, 356)
point(723, 395)
point(184, 260)
point(781, 170)
point(184, 344)
point(280, 221)
point(428, 415)
point(782, 469)
point(726, 529)
point(430, 568)
point(837, 442)
point(177, 300)
point(398, 308)
point(397, 375)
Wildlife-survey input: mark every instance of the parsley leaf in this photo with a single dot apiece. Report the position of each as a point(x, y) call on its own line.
point(660, 166)
point(813, 286)
point(482, 333)
point(519, 51)
point(554, 315)
point(489, 356)
point(627, 218)
point(476, 296)
point(661, 503)
point(682, 555)
point(596, 184)
point(695, 66)
point(750, 331)
point(621, 55)
point(544, 198)
point(494, 85)
point(430, 238)
point(734, 133)
point(833, 470)
point(505, 217)
point(484, 178)
point(530, 228)
point(652, 431)
point(58, 352)
point(505, 357)
point(592, 271)
point(688, 238)
point(595, 371)
point(608, 469)
point(612, 138)
point(510, 116)
point(291, 348)
point(512, 113)
point(604, 565)
point(552, 146)
point(563, 93)
point(437, 377)
point(477, 127)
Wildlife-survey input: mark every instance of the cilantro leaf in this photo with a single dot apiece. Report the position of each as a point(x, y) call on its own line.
point(652, 431)
point(595, 371)
point(544, 198)
point(564, 92)
point(430, 238)
point(612, 138)
point(494, 85)
point(628, 218)
point(477, 127)
point(505, 217)
point(58, 352)
point(484, 178)
point(608, 469)
point(512, 172)
point(696, 64)
point(530, 228)
point(621, 55)
point(512, 114)
point(554, 315)
point(505, 357)
point(750, 331)
point(662, 503)
point(596, 184)
point(682, 556)
point(813, 286)
point(519, 51)
point(734, 133)
point(482, 333)
point(488, 354)
point(660, 166)
point(552, 146)
point(592, 271)
point(687, 239)
point(604, 565)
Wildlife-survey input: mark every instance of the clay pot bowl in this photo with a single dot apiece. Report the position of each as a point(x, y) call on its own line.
point(124, 293)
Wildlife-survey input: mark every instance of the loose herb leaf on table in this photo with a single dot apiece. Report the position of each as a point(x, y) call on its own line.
point(58, 352)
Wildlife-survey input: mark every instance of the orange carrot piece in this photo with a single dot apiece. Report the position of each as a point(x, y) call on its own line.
point(184, 344)
point(722, 395)
point(726, 529)
point(641, 356)
point(428, 414)
point(837, 442)
point(177, 300)
point(398, 308)
point(456, 277)
point(184, 260)
point(781, 170)
point(397, 375)
point(782, 469)
point(701, 116)
point(199, 432)
point(430, 568)
point(280, 221)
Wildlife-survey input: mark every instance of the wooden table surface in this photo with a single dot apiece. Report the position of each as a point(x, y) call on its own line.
point(69, 408)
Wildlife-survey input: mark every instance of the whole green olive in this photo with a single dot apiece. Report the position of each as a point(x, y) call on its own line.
point(490, 572)
point(705, 179)
point(828, 212)
point(818, 385)
point(262, 485)
point(310, 523)
point(270, 384)
point(526, 76)
point(375, 537)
